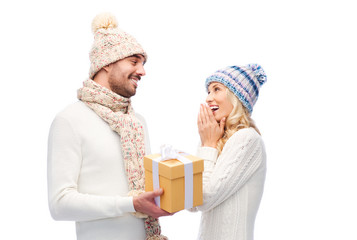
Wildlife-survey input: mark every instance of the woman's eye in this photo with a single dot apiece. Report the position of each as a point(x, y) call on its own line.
point(216, 89)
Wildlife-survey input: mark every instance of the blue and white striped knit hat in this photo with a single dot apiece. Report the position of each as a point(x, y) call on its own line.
point(243, 81)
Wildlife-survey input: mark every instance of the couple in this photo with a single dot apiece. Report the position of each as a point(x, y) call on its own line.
point(96, 148)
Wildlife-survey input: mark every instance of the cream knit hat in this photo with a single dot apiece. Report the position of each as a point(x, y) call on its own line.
point(110, 43)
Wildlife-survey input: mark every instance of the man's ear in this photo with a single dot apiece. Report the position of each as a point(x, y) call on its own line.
point(108, 67)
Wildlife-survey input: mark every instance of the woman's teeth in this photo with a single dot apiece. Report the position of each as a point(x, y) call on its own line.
point(214, 108)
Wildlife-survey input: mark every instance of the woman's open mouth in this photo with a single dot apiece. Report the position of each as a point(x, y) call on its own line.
point(214, 108)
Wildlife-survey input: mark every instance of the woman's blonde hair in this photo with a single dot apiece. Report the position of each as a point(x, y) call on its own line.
point(238, 119)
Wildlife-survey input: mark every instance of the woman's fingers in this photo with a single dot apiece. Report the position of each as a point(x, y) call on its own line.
point(222, 123)
point(201, 119)
point(210, 115)
point(206, 117)
point(209, 129)
point(203, 113)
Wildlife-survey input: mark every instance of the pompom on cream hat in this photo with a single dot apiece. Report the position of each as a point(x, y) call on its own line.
point(110, 43)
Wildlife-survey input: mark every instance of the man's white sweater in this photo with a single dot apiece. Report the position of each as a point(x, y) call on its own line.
point(232, 187)
point(86, 176)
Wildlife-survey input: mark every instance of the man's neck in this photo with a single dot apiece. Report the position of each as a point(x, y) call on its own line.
point(101, 78)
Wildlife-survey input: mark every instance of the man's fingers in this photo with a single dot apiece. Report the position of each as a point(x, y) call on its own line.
point(164, 213)
point(158, 192)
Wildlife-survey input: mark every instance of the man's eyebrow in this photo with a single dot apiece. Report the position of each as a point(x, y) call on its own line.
point(139, 56)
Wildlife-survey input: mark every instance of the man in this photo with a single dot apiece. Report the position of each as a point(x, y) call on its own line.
point(96, 146)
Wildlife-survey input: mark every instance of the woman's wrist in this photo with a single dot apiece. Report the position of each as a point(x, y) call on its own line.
point(212, 145)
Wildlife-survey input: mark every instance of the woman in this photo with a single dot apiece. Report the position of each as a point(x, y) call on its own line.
point(233, 153)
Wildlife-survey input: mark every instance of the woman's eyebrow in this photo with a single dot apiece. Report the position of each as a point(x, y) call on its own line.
point(213, 85)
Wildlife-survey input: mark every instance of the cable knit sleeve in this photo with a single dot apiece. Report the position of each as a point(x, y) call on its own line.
point(241, 156)
point(64, 163)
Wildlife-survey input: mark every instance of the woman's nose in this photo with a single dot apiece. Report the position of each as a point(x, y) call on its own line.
point(209, 98)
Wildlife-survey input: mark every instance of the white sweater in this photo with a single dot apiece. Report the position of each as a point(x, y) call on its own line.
point(86, 177)
point(232, 187)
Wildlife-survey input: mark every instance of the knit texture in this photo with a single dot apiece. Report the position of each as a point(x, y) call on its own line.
point(87, 183)
point(110, 43)
point(243, 81)
point(119, 114)
point(232, 187)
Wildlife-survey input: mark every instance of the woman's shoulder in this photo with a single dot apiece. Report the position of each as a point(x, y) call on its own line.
point(245, 134)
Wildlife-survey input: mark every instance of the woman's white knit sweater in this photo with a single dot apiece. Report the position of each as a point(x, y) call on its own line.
point(232, 187)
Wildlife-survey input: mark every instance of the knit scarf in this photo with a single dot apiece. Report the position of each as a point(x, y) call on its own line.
point(119, 114)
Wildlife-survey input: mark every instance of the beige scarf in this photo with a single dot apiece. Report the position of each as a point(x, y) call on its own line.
point(119, 114)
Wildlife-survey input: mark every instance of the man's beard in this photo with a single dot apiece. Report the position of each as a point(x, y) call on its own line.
point(123, 87)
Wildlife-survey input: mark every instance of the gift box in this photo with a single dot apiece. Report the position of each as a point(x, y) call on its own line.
point(171, 177)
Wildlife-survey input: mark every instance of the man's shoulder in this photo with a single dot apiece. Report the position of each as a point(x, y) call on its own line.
point(77, 116)
point(140, 117)
point(75, 111)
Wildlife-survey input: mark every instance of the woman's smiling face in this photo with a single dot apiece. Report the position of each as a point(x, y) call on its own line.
point(218, 101)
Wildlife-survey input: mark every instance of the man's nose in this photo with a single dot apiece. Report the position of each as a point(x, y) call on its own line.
point(141, 71)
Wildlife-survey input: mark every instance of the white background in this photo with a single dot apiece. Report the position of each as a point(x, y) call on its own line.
point(306, 111)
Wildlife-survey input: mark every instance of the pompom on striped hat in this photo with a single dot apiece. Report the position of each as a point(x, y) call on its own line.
point(243, 81)
point(110, 43)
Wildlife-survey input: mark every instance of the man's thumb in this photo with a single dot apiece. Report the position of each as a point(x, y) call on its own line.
point(158, 192)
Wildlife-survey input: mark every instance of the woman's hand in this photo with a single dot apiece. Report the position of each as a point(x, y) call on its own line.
point(210, 131)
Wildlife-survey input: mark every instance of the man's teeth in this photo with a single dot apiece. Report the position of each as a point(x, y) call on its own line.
point(135, 81)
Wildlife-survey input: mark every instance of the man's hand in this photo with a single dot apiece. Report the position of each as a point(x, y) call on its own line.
point(145, 203)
